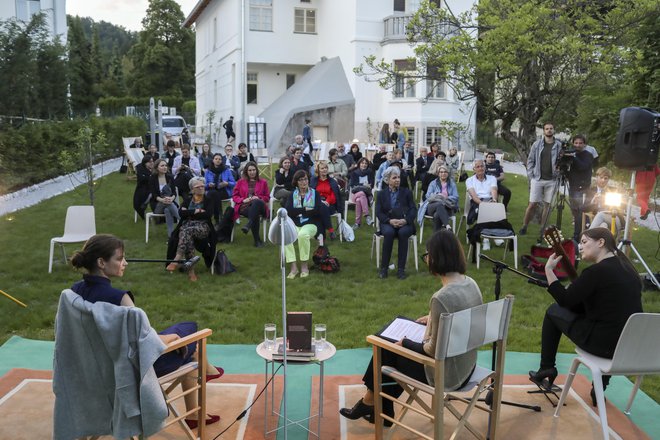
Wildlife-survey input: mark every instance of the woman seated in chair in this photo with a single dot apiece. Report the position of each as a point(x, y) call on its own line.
point(142, 192)
point(163, 194)
point(446, 261)
point(361, 185)
point(205, 157)
point(219, 184)
point(440, 201)
point(396, 212)
point(251, 197)
point(328, 189)
point(102, 257)
point(196, 211)
point(304, 208)
point(596, 203)
point(243, 156)
point(337, 168)
point(283, 179)
point(593, 309)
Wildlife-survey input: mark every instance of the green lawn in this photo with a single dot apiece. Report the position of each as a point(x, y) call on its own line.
point(353, 303)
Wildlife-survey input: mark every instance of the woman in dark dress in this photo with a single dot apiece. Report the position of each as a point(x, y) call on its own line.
point(142, 192)
point(243, 155)
point(283, 180)
point(593, 310)
point(163, 194)
point(205, 157)
point(103, 258)
point(219, 184)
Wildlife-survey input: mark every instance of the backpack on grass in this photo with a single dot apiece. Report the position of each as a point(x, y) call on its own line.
point(324, 262)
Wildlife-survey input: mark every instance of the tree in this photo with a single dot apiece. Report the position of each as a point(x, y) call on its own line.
point(164, 54)
point(88, 145)
point(523, 61)
point(81, 71)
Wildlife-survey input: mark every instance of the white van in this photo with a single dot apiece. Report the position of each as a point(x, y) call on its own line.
point(173, 125)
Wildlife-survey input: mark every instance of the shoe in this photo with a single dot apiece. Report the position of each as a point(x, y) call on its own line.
point(370, 221)
point(333, 235)
point(245, 229)
point(646, 215)
point(210, 377)
point(594, 403)
point(538, 377)
point(304, 274)
point(259, 244)
point(523, 231)
point(388, 409)
point(401, 275)
point(359, 410)
point(356, 226)
point(292, 275)
point(192, 424)
point(498, 242)
point(485, 245)
point(382, 274)
point(172, 267)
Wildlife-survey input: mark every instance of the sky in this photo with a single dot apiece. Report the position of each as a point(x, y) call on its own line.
point(127, 13)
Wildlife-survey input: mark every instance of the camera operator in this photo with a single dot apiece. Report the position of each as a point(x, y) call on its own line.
point(578, 165)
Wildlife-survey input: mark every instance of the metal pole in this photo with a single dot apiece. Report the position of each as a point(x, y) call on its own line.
point(283, 265)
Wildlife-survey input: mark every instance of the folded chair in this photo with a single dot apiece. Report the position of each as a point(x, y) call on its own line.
point(634, 356)
point(79, 225)
point(458, 333)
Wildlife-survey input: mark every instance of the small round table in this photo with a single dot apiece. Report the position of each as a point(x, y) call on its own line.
point(321, 356)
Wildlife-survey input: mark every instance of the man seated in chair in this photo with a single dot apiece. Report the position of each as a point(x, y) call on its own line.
point(446, 260)
point(494, 168)
point(481, 188)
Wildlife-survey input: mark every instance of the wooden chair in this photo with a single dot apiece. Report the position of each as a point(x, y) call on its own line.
point(458, 333)
point(79, 225)
point(264, 162)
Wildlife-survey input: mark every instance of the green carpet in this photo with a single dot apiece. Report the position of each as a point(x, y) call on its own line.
point(18, 352)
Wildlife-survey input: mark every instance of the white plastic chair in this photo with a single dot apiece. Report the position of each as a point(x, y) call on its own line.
point(493, 212)
point(466, 210)
point(634, 356)
point(264, 223)
point(80, 225)
point(430, 217)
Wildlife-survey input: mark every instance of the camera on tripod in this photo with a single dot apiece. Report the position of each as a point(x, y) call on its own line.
point(566, 156)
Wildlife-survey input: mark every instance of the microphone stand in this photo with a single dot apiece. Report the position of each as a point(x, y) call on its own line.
point(498, 268)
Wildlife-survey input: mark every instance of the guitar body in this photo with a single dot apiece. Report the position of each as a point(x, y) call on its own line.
point(554, 238)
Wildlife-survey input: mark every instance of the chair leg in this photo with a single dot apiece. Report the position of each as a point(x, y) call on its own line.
point(638, 383)
point(421, 232)
point(147, 220)
point(415, 254)
point(63, 252)
point(50, 256)
point(567, 385)
point(597, 377)
point(478, 251)
point(341, 236)
point(515, 252)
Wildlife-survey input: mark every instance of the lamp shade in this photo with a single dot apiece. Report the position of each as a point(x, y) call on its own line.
point(282, 222)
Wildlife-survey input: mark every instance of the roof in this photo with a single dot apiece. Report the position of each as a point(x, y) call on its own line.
point(324, 85)
point(196, 12)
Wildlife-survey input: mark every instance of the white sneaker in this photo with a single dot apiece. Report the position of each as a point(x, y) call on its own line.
point(498, 242)
point(485, 245)
point(369, 220)
point(391, 266)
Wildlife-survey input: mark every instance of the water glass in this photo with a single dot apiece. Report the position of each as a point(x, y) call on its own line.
point(270, 336)
point(319, 336)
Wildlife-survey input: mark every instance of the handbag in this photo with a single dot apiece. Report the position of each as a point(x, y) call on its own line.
point(365, 189)
point(346, 231)
point(221, 264)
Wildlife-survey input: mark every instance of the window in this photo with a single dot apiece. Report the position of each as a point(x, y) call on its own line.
point(433, 135)
point(412, 135)
point(261, 15)
point(251, 88)
point(290, 80)
point(436, 89)
point(25, 9)
point(304, 21)
point(404, 85)
point(399, 5)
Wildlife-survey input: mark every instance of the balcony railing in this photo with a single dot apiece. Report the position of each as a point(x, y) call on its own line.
point(395, 28)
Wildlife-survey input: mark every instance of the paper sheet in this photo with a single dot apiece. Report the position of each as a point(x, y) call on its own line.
point(400, 328)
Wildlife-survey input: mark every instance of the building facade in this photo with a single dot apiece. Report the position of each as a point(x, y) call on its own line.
point(254, 58)
point(23, 10)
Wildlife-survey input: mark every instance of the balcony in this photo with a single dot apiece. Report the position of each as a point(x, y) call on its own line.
point(395, 28)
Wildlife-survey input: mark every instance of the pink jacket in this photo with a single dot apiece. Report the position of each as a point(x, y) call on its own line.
point(241, 192)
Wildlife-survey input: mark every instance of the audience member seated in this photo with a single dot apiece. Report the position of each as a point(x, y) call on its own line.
point(283, 180)
point(300, 142)
point(494, 168)
point(219, 184)
point(452, 162)
point(331, 201)
point(405, 177)
point(348, 158)
point(431, 175)
point(441, 200)
point(232, 161)
point(170, 153)
point(389, 158)
point(185, 168)
point(446, 260)
point(422, 164)
point(355, 152)
point(361, 191)
point(143, 174)
point(379, 157)
point(244, 156)
point(195, 212)
point(396, 212)
point(304, 208)
point(434, 150)
point(481, 188)
point(163, 194)
point(595, 203)
point(103, 258)
point(301, 161)
point(337, 168)
point(153, 150)
point(251, 196)
point(205, 157)
point(137, 143)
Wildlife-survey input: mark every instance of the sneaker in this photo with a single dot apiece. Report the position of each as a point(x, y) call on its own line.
point(370, 221)
point(485, 245)
point(356, 226)
point(523, 231)
point(498, 242)
point(391, 266)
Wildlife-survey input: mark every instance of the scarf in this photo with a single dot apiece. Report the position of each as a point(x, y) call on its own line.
point(308, 201)
point(217, 171)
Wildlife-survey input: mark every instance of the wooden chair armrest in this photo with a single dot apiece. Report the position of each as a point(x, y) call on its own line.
point(182, 342)
point(402, 351)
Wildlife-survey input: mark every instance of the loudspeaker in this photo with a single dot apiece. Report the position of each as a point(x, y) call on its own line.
point(638, 138)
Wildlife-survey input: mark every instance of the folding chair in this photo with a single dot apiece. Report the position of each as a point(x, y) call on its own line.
point(458, 333)
point(634, 356)
point(430, 217)
point(80, 224)
point(264, 162)
point(492, 212)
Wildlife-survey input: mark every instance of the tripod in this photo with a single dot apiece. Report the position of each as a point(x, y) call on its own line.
point(498, 268)
point(559, 198)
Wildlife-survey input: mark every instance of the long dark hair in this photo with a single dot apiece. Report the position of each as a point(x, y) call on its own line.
point(610, 245)
point(244, 174)
point(97, 246)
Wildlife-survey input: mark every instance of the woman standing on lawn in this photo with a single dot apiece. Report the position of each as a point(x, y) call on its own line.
point(103, 258)
point(446, 261)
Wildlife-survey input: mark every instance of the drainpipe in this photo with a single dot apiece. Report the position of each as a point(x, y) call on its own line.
point(242, 81)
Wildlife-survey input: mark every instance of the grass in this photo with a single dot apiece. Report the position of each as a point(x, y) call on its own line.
point(353, 303)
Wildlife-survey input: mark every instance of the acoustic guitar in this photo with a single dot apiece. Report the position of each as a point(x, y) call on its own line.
point(554, 238)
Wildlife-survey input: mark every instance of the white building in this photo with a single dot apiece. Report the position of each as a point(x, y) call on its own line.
point(254, 58)
point(23, 10)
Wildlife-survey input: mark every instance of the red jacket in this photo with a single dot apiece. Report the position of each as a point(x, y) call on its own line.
point(241, 193)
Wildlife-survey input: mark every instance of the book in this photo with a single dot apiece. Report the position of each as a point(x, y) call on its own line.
point(294, 355)
point(401, 327)
point(299, 331)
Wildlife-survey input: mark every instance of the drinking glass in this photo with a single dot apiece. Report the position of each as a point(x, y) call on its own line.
point(319, 336)
point(270, 336)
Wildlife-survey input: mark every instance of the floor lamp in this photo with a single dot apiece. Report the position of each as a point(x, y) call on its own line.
point(283, 231)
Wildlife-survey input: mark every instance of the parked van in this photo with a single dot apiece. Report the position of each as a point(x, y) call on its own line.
point(173, 125)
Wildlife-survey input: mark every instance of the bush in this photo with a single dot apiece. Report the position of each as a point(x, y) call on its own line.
point(29, 154)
